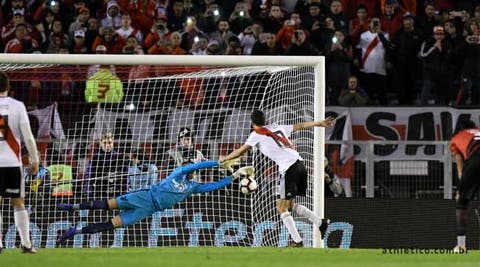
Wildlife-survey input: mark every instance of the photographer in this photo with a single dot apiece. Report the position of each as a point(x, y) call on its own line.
point(184, 150)
point(300, 46)
point(333, 187)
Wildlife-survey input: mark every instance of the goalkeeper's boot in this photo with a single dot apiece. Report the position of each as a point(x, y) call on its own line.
point(30, 250)
point(294, 244)
point(323, 227)
point(69, 234)
point(460, 249)
point(63, 206)
point(1, 250)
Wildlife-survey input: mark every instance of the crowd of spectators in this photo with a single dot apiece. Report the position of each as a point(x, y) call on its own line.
point(403, 52)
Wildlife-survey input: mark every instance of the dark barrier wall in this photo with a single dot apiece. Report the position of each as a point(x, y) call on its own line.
point(401, 223)
point(211, 221)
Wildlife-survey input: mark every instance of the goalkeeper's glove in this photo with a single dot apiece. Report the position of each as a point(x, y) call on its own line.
point(248, 171)
point(228, 164)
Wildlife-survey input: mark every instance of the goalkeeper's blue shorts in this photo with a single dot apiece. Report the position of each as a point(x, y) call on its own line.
point(135, 206)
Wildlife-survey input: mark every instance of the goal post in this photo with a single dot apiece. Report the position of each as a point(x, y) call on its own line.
point(304, 76)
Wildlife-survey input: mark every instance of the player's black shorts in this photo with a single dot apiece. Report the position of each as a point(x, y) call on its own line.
point(470, 180)
point(294, 181)
point(11, 182)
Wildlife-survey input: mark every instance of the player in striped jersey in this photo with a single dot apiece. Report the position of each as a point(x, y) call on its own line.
point(273, 141)
point(14, 125)
point(465, 148)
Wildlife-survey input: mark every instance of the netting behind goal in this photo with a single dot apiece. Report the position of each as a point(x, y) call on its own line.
point(141, 122)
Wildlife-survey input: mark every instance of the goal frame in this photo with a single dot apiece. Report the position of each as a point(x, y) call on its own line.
point(318, 62)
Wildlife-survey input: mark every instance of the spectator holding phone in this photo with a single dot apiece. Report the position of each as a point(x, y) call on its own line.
point(339, 55)
point(300, 46)
point(372, 62)
point(284, 36)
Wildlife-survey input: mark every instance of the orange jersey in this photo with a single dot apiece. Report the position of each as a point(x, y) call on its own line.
point(464, 142)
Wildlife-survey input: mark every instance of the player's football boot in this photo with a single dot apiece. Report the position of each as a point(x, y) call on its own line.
point(69, 234)
point(323, 227)
point(30, 250)
point(294, 244)
point(459, 249)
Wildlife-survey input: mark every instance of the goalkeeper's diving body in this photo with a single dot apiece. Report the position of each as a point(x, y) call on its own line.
point(140, 204)
point(273, 141)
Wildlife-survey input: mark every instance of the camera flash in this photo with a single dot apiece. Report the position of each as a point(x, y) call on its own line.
point(241, 13)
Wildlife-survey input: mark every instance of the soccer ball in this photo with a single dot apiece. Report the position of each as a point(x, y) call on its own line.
point(248, 186)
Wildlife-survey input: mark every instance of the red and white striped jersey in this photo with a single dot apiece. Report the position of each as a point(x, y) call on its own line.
point(274, 143)
point(14, 125)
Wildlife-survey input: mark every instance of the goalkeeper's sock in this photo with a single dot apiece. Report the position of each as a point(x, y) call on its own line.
point(305, 212)
point(92, 205)
point(97, 227)
point(21, 221)
point(290, 224)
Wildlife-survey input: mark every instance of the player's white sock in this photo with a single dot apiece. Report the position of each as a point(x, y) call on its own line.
point(305, 212)
point(290, 224)
point(461, 241)
point(23, 225)
point(1, 229)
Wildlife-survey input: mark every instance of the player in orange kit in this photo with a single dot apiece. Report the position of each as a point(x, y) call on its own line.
point(465, 147)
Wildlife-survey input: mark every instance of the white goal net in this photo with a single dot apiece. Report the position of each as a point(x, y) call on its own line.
point(135, 130)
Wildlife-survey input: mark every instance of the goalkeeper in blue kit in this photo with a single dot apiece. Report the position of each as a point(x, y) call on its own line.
point(140, 204)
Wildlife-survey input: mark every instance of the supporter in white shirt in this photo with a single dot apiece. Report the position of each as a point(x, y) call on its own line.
point(127, 30)
point(373, 44)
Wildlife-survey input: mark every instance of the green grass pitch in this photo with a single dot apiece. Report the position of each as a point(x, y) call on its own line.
point(231, 256)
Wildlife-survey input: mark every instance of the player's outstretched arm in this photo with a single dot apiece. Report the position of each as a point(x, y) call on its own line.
point(244, 171)
point(208, 187)
point(198, 166)
point(228, 164)
point(236, 153)
point(330, 121)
